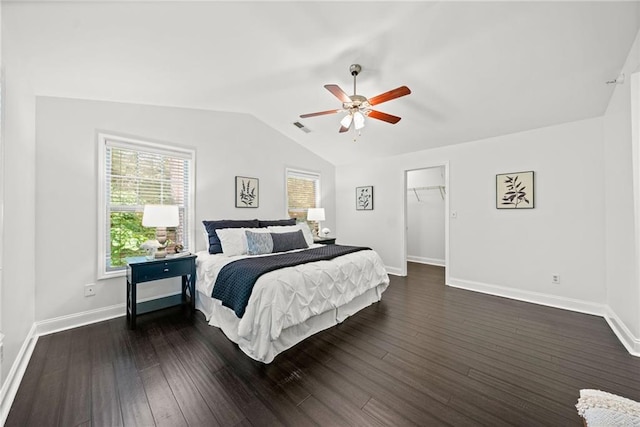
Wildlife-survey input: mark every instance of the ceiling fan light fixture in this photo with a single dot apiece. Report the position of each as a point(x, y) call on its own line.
point(346, 121)
point(358, 107)
point(358, 120)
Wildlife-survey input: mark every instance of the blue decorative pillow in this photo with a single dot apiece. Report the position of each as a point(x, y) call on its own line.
point(211, 226)
point(270, 223)
point(259, 243)
point(283, 242)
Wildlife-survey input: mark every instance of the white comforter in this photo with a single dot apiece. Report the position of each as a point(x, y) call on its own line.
point(289, 296)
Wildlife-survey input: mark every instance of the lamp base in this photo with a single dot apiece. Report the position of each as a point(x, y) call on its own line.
point(160, 253)
point(161, 237)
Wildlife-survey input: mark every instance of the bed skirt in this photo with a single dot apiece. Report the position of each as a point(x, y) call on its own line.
point(265, 350)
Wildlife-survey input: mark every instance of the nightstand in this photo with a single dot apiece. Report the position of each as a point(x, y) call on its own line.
point(325, 240)
point(141, 269)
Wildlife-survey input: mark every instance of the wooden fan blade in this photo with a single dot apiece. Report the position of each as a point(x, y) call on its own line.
point(343, 129)
point(338, 93)
point(319, 113)
point(388, 96)
point(384, 117)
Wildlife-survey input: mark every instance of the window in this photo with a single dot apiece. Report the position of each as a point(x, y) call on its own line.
point(133, 174)
point(303, 192)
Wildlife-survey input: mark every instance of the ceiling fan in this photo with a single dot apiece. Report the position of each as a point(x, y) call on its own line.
point(358, 107)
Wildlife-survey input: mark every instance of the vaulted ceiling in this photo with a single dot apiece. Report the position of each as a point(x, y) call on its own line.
point(476, 69)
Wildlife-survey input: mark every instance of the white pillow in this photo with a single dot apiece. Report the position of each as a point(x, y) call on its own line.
point(206, 238)
point(233, 241)
point(283, 228)
point(308, 237)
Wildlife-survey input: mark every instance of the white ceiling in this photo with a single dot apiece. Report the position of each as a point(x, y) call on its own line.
point(476, 69)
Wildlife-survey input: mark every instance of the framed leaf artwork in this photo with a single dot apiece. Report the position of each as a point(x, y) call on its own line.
point(515, 190)
point(247, 190)
point(364, 198)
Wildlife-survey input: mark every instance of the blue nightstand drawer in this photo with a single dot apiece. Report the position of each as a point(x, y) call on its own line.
point(159, 270)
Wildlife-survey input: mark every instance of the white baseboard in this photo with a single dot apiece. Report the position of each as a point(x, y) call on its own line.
point(393, 270)
point(630, 342)
point(19, 367)
point(533, 297)
point(425, 260)
point(62, 323)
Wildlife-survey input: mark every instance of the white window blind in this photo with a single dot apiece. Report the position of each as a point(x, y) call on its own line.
point(137, 173)
point(303, 192)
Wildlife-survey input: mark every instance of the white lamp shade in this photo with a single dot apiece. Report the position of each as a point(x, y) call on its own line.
point(160, 216)
point(315, 214)
point(358, 120)
point(346, 121)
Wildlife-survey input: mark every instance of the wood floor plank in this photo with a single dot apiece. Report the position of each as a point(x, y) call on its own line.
point(76, 402)
point(328, 397)
point(349, 391)
point(192, 404)
point(202, 373)
point(166, 411)
point(385, 414)
point(105, 402)
point(427, 354)
point(134, 401)
point(21, 407)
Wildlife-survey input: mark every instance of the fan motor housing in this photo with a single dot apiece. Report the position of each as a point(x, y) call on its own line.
point(357, 101)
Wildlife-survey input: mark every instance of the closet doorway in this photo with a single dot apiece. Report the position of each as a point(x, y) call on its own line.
point(426, 215)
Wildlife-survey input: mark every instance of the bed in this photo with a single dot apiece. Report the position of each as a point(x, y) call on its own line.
point(288, 304)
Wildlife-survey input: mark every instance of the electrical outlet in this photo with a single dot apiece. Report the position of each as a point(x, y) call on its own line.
point(90, 290)
point(555, 279)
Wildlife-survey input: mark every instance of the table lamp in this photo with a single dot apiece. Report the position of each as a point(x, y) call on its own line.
point(316, 214)
point(161, 217)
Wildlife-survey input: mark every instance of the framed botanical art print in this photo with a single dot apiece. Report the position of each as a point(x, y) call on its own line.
point(364, 198)
point(247, 192)
point(515, 190)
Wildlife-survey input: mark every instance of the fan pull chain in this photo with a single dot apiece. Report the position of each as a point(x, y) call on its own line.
point(356, 136)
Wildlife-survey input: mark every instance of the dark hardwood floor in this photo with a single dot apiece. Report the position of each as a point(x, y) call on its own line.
point(426, 354)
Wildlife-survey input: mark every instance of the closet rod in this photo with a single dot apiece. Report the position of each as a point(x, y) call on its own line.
point(430, 187)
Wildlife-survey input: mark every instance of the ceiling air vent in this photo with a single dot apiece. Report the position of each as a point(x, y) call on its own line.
point(301, 127)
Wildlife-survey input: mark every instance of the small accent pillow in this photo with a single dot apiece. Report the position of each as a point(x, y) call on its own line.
point(308, 237)
point(283, 242)
point(233, 241)
point(259, 243)
point(283, 228)
point(268, 223)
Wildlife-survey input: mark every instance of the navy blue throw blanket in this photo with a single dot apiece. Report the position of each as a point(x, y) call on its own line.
point(236, 280)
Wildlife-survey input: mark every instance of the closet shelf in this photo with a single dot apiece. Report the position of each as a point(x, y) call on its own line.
point(415, 190)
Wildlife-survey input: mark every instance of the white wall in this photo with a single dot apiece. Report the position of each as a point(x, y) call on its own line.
point(39, 44)
point(226, 144)
point(501, 251)
point(2, 95)
point(18, 275)
point(425, 216)
point(622, 252)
